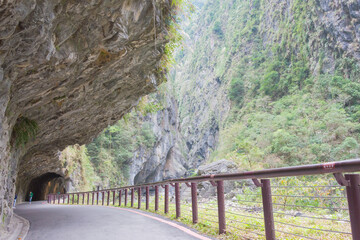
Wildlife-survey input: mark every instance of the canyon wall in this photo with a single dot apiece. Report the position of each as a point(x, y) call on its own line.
point(262, 83)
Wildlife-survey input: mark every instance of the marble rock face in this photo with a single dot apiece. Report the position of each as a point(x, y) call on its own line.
point(72, 68)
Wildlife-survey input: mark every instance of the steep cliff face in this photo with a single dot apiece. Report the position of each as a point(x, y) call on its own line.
point(341, 23)
point(145, 146)
point(168, 157)
point(68, 69)
point(265, 84)
point(291, 72)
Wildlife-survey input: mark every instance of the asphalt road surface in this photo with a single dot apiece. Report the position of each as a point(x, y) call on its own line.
point(62, 222)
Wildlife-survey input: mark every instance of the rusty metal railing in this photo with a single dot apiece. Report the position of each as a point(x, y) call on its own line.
point(263, 211)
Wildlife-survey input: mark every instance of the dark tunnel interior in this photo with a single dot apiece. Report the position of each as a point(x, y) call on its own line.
point(46, 183)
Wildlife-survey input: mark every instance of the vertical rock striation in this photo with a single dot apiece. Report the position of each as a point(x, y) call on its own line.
point(168, 157)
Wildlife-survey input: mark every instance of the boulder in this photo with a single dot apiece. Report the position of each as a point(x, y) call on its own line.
point(219, 167)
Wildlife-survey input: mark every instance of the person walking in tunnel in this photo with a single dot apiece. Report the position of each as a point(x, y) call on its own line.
point(15, 200)
point(30, 196)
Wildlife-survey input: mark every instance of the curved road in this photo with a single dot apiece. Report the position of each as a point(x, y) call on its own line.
point(59, 222)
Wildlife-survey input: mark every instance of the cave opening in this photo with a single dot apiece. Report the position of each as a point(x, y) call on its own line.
point(45, 184)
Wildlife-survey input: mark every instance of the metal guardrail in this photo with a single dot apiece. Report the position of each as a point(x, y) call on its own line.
point(261, 179)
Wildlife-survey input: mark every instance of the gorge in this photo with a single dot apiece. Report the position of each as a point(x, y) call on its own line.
point(261, 83)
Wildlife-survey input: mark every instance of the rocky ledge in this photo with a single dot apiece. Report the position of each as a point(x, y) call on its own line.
point(68, 69)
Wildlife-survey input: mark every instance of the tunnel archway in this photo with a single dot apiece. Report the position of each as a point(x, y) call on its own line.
point(46, 183)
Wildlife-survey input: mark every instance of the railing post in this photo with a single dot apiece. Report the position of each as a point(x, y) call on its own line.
point(126, 193)
point(114, 195)
point(268, 209)
point(83, 200)
point(132, 197)
point(68, 198)
point(221, 206)
point(120, 198)
point(97, 198)
point(194, 204)
point(73, 198)
point(156, 198)
point(78, 198)
point(54, 198)
point(139, 197)
point(353, 197)
point(59, 198)
point(147, 198)
point(92, 198)
point(108, 198)
point(64, 197)
point(177, 200)
point(102, 198)
point(88, 198)
point(166, 199)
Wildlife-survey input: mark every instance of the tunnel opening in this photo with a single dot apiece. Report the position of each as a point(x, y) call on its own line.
point(45, 184)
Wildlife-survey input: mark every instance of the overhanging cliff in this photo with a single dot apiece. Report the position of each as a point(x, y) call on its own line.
point(68, 69)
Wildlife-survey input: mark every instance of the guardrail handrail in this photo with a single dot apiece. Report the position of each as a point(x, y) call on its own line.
point(352, 165)
point(351, 181)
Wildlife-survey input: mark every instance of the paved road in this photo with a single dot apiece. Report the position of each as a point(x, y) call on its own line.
point(61, 222)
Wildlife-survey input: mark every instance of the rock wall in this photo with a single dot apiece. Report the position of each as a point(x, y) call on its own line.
point(184, 140)
point(341, 22)
point(332, 28)
point(68, 69)
point(168, 158)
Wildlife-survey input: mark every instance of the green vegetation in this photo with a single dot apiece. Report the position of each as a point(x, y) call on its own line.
point(179, 9)
point(111, 152)
point(236, 90)
point(76, 160)
point(23, 131)
point(287, 107)
point(105, 162)
point(149, 105)
point(217, 29)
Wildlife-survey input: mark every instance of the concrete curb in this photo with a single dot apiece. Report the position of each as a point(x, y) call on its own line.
point(18, 229)
point(25, 227)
